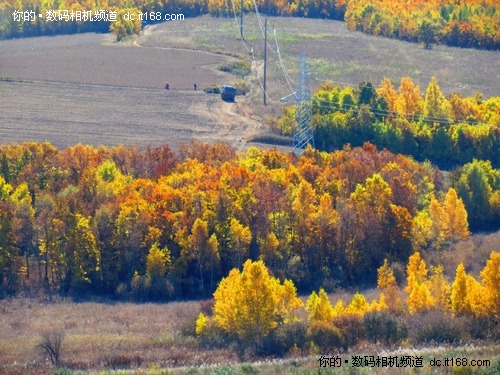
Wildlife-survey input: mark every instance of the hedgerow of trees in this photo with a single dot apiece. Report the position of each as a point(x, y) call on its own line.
point(254, 309)
point(448, 131)
point(473, 23)
point(453, 22)
point(153, 225)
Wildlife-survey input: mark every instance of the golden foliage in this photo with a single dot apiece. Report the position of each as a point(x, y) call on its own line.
point(490, 277)
point(319, 307)
point(251, 303)
point(419, 295)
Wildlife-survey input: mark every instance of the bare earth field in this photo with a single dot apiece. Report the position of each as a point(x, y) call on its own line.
point(88, 89)
point(82, 89)
point(69, 113)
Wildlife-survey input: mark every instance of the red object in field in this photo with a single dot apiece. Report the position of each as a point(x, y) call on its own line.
point(167, 86)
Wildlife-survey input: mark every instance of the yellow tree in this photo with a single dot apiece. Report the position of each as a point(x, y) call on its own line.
point(490, 277)
point(319, 308)
point(269, 250)
point(439, 221)
point(389, 93)
point(385, 277)
point(5, 189)
point(303, 207)
point(288, 302)
point(386, 282)
point(251, 303)
point(82, 253)
point(321, 235)
point(240, 238)
point(456, 224)
point(475, 297)
point(459, 301)
point(419, 296)
point(157, 262)
point(436, 107)
point(421, 231)
point(205, 249)
point(358, 305)
point(449, 219)
point(440, 288)
point(408, 102)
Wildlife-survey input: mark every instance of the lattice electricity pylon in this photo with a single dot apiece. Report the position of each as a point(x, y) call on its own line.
point(303, 131)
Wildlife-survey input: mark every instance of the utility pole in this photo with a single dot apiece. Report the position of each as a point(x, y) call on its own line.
point(265, 59)
point(303, 133)
point(241, 20)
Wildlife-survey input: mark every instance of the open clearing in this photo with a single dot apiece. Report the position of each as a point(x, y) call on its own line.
point(121, 335)
point(87, 89)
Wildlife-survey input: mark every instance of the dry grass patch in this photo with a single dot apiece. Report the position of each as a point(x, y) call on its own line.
point(97, 335)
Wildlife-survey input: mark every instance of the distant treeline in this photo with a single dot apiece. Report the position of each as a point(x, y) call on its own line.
point(125, 223)
point(471, 23)
point(448, 131)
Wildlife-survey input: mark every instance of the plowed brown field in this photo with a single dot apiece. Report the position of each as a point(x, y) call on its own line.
point(69, 113)
point(83, 89)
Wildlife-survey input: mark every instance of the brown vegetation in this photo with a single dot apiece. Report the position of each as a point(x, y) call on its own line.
point(97, 335)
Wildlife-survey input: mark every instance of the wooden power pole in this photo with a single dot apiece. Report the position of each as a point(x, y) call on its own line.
point(241, 20)
point(265, 60)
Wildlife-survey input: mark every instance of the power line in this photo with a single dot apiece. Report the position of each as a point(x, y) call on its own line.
point(236, 20)
point(265, 60)
point(379, 111)
point(260, 81)
point(259, 21)
point(280, 58)
point(289, 81)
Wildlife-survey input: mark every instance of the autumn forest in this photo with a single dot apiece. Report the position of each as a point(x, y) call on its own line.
point(152, 225)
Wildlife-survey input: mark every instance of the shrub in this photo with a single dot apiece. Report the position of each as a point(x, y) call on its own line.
point(383, 326)
point(214, 89)
point(239, 68)
point(213, 337)
point(284, 338)
point(51, 344)
point(65, 371)
point(123, 361)
point(482, 328)
point(326, 336)
point(188, 327)
point(436, 327)
point(241, 87)
point(248, 368)
point(493, 370)
point(351, 327)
